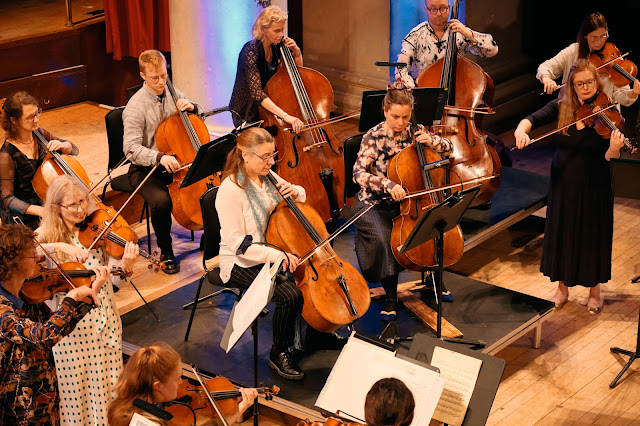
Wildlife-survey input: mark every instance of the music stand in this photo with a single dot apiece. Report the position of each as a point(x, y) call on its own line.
point(210, 159)
point(625, 173)
point(433, 224)
point(428, 106)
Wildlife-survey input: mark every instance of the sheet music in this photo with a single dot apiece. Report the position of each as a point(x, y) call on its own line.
point(249, 307)
point(460, 373)
point(361, 364)
point(138, 420)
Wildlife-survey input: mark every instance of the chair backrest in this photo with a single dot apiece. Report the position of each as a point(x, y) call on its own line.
point(115, 135)
point(211, 224)
point(351, 148)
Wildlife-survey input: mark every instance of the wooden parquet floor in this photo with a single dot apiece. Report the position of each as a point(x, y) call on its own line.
point(564, 382)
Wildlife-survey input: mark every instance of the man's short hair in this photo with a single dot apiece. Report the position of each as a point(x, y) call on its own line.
point(151, 59)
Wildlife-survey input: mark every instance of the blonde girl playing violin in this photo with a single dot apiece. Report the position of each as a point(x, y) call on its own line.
point(88, 360)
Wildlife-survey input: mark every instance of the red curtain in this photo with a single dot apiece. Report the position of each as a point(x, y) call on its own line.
point(135, 26)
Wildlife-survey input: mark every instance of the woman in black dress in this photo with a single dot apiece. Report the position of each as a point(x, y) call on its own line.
point(257, 63)
point(579, 225)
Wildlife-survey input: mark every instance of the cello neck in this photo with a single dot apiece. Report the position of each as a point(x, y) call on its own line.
point(191, 132)
point(302, 97)
point(447, 79)
point(67, 170)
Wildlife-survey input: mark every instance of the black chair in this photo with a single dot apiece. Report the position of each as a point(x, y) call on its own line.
point(210, 261)
point(351, 148)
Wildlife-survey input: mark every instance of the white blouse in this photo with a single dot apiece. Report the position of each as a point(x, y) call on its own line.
point(237, 221)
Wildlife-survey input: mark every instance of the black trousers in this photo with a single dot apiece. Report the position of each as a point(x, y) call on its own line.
point(288, 299)
point(156, 194)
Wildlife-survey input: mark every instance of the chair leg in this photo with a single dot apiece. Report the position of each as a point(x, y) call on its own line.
point(145, 211)
point(212, 295)
point(195, 305)
point(192, 236)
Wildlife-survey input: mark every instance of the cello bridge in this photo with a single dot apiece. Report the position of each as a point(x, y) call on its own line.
point(439, 129)
point(315, 145)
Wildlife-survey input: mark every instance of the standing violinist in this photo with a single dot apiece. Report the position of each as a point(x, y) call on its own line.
point(153, 374)
point(244, 203)
point(21, 155)
point(146, 109)
point(257, 63)
point(29, 391)
point(592, 37)
point(88, 360)
point(579, 225)
point(373, 229)
point(427, 42)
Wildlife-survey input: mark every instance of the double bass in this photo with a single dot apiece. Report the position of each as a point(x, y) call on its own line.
point(313, 159)
point(468, 88)
point(182, 135)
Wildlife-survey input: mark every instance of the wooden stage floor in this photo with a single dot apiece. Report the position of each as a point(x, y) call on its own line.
point(563, 382)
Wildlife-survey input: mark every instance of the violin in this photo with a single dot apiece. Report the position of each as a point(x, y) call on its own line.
point(49, 281)
point(604, 122)
point(312, 159)
point(609, 61)
point(112, 240)
point(335, 293)
point(182, 135)
point(192, 399)
point(406, 168)
point(468, 89)
point(331, 421)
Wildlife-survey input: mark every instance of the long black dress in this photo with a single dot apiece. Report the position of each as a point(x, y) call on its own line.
point(579, 227)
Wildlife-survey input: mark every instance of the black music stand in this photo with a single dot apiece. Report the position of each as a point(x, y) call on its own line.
point(428, 107)
point(433, 224)
point(210, 159)
point(625, 173)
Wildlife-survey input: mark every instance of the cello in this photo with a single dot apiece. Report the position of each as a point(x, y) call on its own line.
point(335, 293)
point(182, 135)
point(312, 159)
point(468, 87)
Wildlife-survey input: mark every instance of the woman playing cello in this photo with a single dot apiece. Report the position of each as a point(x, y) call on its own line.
point(373, 229)
point(579, 226)
point(592, 37)
point(90, 358)
point(21, 155)
point(257, 63)
point(153, 374)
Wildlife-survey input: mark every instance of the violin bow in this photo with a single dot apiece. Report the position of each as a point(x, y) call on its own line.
point(532, 141)
point(208, 392)
point(122, 161)
point(113, 219)
point(48, 256)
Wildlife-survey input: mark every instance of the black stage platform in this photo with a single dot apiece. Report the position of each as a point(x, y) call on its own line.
point(481, 311)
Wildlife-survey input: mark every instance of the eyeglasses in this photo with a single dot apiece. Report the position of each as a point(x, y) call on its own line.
point(598, 38)
point(156, 78)
point(32, 117)
point(266, 157)
point(581, 84)
point(441, 10)
point(75, 206)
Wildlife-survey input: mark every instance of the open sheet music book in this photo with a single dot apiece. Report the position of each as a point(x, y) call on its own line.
point(361, 364)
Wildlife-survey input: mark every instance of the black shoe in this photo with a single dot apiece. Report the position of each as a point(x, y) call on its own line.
point(285, 366)
point(316, 340)
point(171, 265)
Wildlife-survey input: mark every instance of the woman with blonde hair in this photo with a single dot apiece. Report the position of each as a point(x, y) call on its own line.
point(153, 374)
point(89, 360)
point(257, 63)
point(579, 224)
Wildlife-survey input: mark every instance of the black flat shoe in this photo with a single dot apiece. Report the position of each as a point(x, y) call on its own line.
point(316, 340)
point(171, 265)
point(285, 366)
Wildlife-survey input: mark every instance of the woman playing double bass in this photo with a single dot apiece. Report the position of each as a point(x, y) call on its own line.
point(244, 203)
point(21, 155)
point(373, 229)
point(257, 63)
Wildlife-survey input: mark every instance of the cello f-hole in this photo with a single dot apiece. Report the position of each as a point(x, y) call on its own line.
point(295, 153)
point(328, 140)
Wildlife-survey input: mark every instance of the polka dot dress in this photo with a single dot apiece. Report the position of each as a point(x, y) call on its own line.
point(89, 360)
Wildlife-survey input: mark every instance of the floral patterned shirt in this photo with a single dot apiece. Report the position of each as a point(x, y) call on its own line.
point(422, 47)
point(378, 146)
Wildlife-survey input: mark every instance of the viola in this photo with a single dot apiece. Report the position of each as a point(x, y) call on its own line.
point(406, 168)
point(192, 398)
point(312, 159)
point(182, 135)
point(609, 61)
point(606, 121)
point(49, 281)
point(112, 240)
point(468, 89)
point(335, 293)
